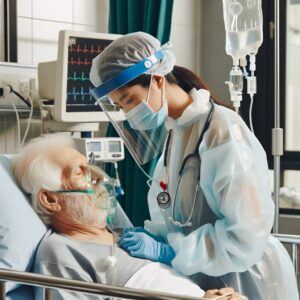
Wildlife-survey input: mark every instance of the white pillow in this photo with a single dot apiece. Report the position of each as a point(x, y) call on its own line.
point(20, 227)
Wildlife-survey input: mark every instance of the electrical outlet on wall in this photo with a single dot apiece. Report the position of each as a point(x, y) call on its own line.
point(24, 86)
point(22, 78)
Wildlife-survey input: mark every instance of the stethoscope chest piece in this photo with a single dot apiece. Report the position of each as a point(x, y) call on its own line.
point(164, 199)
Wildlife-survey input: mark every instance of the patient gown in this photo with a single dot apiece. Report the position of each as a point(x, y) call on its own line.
point(61, 256)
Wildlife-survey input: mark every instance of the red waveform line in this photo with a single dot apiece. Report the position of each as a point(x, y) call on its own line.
point(79, 62)
point(85, 49)
point(72, 62)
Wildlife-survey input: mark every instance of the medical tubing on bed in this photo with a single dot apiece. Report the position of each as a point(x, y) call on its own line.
point(118, 188)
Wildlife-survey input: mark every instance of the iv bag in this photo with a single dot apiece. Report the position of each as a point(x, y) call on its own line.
point(243, 24)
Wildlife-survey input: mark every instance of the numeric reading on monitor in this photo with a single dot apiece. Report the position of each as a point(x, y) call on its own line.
point(81, 52)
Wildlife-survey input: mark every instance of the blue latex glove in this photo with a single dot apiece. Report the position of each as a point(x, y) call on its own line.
point(140, 244)
point(141, 229)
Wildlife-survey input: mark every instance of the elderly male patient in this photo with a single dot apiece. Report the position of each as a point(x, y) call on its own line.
point(71, 198)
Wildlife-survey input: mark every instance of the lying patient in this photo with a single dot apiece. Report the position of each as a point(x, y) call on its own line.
point(73, 199)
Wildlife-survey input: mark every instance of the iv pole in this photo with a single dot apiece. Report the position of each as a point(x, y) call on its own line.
point(277, 132)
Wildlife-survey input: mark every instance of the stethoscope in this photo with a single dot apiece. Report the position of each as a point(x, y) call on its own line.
point(164, 198)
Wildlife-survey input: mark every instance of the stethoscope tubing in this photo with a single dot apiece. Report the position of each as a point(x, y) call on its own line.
point(196, 155)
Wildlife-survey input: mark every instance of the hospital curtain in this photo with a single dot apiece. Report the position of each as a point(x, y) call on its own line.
point(151, 16)
point(154, 17)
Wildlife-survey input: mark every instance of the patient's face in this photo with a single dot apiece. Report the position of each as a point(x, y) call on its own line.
point(74, 168)
point(78, 207)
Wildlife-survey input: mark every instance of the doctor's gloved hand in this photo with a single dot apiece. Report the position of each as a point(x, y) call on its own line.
point(141, 229)
point(139, 244)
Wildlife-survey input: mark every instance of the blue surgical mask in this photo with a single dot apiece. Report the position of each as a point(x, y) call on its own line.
point(142, 117)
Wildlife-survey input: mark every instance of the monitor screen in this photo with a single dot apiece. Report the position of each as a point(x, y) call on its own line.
point(95, 146)
point(114, 146)
point(76, 51)
point(81, 52)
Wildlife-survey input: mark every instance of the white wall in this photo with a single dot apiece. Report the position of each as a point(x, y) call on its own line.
point(1, 30)
point(184, 33)
point(39, 22)
point(198, 36)
point(292, 137)
point(215, 63)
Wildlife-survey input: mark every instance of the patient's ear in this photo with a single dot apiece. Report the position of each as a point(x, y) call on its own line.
point(49, 200)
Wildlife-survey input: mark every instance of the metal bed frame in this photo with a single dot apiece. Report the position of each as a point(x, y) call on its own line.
point(293, 240)
point(49, 282)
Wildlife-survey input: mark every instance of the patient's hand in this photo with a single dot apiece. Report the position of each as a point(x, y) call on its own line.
point(228, 294)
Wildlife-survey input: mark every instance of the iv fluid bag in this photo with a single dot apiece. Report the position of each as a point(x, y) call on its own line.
point(243, 25)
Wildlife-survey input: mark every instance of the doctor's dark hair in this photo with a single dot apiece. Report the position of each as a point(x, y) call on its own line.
point(183, 77)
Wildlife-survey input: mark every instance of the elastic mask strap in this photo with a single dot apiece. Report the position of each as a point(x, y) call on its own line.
point(162, 93)
point(149, 91)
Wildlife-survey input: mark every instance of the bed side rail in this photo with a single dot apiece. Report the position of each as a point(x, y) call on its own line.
point(49, 282)
point(293, 240)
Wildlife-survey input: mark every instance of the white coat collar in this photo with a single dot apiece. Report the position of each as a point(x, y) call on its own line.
point(198, 107)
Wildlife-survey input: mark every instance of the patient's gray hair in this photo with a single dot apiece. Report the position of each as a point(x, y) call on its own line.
point(34, 169)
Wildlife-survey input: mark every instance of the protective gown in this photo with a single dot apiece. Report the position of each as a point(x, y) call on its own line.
point(229, 242)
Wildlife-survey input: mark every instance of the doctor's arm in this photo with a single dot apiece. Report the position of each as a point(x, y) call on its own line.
point(235, 183)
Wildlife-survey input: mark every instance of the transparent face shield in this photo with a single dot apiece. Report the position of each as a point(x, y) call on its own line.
point(96, 186)
point(143, 142)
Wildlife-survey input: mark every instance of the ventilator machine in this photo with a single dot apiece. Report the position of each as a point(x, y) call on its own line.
point(244, 35)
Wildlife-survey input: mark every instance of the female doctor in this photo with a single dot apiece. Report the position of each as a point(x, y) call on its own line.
point(210, 203)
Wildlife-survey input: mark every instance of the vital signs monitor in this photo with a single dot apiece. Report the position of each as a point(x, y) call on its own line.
point(73, 101)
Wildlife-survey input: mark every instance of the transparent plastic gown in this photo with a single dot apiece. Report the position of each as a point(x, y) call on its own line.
point(229, 242)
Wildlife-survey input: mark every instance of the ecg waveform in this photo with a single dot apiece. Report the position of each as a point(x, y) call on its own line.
point(79, 62)
point(85, 49)
point(81, 94)
point(75, 77)
point(81, 52)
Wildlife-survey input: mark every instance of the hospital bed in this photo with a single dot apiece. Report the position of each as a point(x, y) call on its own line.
point(21, 230)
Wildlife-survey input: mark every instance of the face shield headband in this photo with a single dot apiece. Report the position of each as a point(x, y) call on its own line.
point(127, 75)
point(144, 145)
